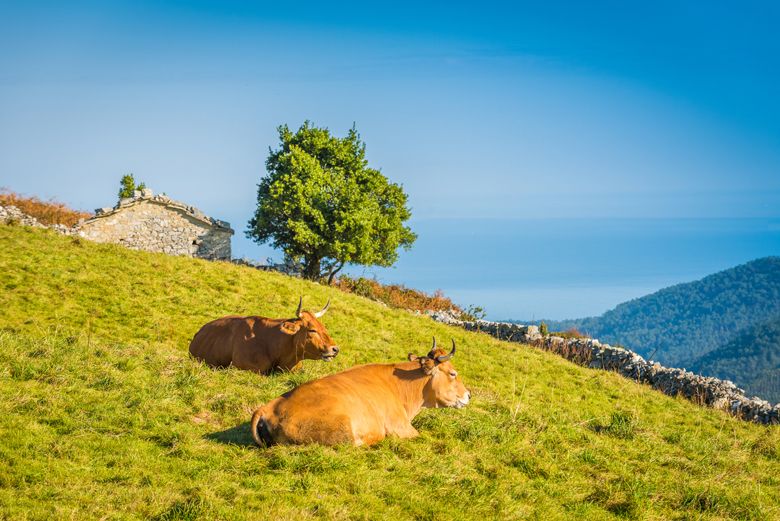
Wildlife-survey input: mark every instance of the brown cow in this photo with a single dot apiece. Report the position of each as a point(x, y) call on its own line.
point(363, 404)
point(263, 344)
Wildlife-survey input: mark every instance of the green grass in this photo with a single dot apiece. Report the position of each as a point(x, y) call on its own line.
point(104, 416)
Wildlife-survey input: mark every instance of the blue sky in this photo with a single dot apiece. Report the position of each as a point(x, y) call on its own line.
point(549, 126)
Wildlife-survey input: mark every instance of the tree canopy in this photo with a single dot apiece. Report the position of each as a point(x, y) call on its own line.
point(325, 207)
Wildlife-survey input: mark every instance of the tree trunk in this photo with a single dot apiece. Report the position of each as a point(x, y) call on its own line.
point(333, 272)
point(311, 268)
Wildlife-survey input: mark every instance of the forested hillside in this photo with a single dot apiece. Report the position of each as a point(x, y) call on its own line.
point(685, 322)
point(752, 360)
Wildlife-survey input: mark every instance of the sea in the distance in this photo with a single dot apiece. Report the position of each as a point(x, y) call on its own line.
point(564, 268)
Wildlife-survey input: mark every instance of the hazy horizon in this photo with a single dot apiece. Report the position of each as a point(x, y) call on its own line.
point(572, 268)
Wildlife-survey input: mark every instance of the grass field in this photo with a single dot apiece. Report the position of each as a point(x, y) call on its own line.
point(104, 416)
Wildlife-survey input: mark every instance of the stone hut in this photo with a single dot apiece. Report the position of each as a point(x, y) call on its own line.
point(160, 224)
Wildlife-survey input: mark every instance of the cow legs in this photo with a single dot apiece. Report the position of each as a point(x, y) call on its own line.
point(406, 431)
point(324, 429)
point(402, 431)
point(296, 367)
point(256, 364)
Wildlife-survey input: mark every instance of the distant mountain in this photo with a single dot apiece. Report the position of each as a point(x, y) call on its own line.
point(682, 323)
point(751, 360)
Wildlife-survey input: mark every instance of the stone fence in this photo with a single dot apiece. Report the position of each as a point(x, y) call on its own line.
point(13, 215)
point(269, 265)
point(588, 352)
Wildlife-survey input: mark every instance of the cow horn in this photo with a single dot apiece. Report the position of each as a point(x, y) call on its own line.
point(300, 307)
point(434, 344)
point(321, 312)
point(444, 358)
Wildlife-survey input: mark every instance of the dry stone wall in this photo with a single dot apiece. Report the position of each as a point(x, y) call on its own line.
point(588, 352)
point(13, 215)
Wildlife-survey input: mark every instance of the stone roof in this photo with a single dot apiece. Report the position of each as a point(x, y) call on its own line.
point(146, 195)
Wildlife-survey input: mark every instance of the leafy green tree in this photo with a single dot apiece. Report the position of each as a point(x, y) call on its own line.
point(127, 186)
point(324, 206)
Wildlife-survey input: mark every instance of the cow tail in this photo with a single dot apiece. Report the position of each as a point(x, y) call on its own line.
point(262, 436)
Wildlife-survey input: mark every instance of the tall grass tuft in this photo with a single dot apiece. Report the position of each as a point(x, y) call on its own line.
point(621, 425)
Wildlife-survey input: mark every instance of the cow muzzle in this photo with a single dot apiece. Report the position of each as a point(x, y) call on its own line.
point(463, 400)
point(330, 355)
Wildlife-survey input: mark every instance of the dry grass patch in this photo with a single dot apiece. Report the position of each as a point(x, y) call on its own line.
point(47, 212)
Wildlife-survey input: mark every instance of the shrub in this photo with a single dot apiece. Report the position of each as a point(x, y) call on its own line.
point(569, 333)
point(396, 295)
point(473, 313)
point(47, 212)
point(543, 329)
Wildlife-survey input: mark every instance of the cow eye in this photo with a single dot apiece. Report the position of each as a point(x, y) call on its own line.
point(312, 331)
point(453, 374)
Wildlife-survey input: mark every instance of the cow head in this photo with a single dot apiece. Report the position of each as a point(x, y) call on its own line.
point(445, 388)
point(310, 338)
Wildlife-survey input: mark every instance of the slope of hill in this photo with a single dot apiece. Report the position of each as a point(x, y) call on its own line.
point(752, 359)
point(686, 321)
point(105, 416)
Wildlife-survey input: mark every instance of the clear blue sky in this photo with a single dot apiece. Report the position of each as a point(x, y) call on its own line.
point(521, 133)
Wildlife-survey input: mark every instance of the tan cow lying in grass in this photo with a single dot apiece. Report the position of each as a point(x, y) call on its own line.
point(262, 344)
point(363, 404)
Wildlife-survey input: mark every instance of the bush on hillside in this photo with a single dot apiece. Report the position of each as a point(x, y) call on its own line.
point(396, 295)
point(543, 329)
point(473, 313)
point(47, 212)
point(572, 332)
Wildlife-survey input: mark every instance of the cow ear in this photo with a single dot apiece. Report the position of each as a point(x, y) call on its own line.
point(427, 365)
point(291, 327)
point(412, 357)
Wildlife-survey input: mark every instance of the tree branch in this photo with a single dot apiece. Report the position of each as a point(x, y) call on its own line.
point(334, 270)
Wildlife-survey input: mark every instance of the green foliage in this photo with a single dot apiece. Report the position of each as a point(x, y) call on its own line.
point(570, 333)
point(322, 203)
point(104, 415)
point(395, 295)
point(473, 313)
point(127, 186)
point(543, 329)
point(684, 322)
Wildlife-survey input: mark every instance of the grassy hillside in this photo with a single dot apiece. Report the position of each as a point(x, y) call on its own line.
point(752, 359)
point(104, 416)
point(686, 321)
